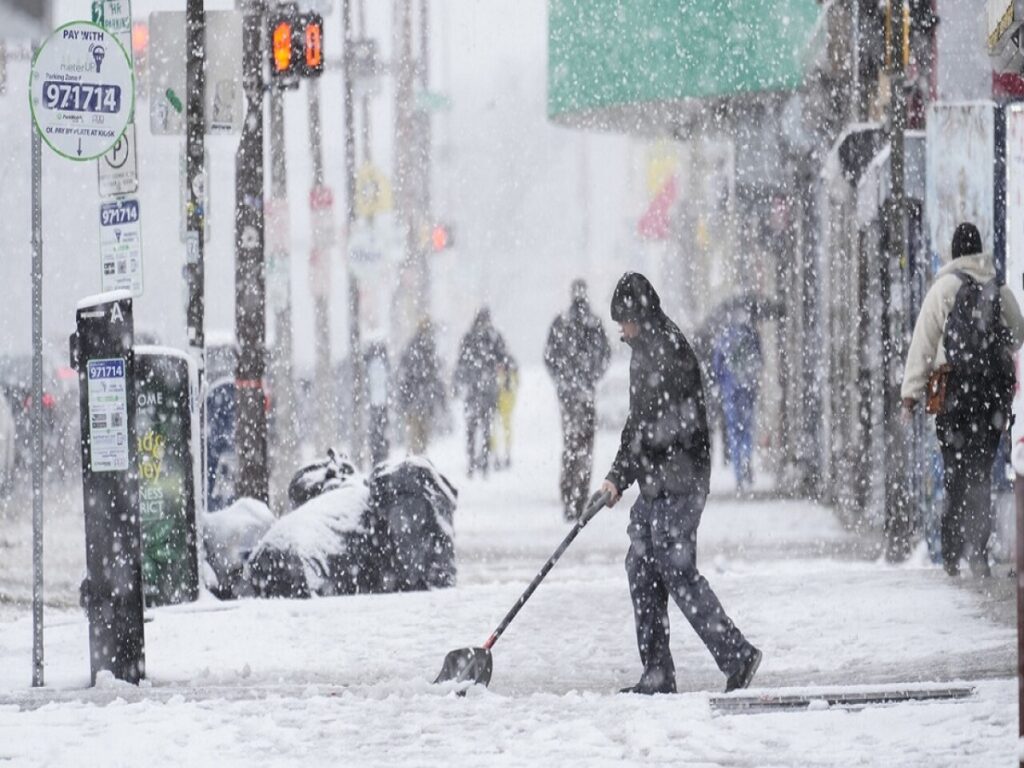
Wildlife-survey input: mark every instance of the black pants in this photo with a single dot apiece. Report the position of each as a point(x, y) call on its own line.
point(662, 561)
point(578, 423)
point(968, 448)
point(479, 415)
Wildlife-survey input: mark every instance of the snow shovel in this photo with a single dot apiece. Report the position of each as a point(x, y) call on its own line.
point(474, 664)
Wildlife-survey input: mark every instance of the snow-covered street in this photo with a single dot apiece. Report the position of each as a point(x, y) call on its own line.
point(347, 680)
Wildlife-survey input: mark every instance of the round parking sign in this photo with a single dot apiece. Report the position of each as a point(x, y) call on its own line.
point(82, 90)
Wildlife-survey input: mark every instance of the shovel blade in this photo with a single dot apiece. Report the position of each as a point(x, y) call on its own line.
point(472, 665)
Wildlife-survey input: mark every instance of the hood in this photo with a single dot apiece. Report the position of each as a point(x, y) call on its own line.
point(635, 300)
point(977, 265)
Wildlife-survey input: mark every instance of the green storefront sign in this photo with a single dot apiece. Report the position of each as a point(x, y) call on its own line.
point(631, 65)
point(164, 400)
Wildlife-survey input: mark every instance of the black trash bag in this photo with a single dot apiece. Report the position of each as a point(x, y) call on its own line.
point(333, 544)
point(319, 477)
point(229, 536)
point(417, 503)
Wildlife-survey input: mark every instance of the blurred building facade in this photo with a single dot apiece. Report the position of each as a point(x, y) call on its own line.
point(813, 167)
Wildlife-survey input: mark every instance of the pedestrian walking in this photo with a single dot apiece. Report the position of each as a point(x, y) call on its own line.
point(501, 431)
point(736, 360)
point(421, 391)
point(961, 362)
point(576, 355)
point(481, 351)
point(664, 448)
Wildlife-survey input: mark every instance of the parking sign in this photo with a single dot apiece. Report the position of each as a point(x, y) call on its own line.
point(81, 90)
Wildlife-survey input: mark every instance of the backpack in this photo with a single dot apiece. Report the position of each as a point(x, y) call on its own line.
point(977, 344)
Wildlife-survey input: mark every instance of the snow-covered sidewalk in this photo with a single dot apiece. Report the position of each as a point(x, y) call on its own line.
point(346, 681)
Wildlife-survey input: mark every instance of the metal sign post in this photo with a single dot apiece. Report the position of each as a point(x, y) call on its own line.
point(82, 96)
point(37, 407)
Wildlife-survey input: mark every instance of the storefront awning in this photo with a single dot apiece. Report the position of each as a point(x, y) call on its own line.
point(632, 65)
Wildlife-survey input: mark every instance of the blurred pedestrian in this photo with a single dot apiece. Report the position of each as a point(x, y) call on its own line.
point(421, 392)
point(482, 350)
point(961, 361)
point(664, 448)
point(501, 434)
point(736, 360)
point(378, 374)
point(576, 355)
point(702, 343)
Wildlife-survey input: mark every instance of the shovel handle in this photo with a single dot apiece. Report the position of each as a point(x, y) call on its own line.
point(597, 503)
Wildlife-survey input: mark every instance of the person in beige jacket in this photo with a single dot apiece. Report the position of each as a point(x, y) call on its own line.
point(968, 427)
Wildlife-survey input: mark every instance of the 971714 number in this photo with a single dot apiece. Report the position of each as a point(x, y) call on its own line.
point(81, 97)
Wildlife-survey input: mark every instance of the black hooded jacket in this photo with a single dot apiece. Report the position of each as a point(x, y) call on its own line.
point(664, 445)
point(577, 352)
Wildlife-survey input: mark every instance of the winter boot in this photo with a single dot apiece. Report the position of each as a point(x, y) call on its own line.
point(741, 677)
point(652, 682)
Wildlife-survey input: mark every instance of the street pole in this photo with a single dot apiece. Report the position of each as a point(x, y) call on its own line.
point(281, 373)
point(250, 275)
point(898, 520)
point(411, 170)
point(1018, 488)
point(37, 405)
point(195, 175)
point(355, 342)
point(320, 202)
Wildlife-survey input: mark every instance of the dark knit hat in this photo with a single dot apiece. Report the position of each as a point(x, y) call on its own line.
point(579, 289)
point(634, 299)
point(966, 240)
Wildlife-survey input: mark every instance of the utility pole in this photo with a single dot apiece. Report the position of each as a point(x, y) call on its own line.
point(411, 170)
point(281, 374)
point(355, 342)
point(898, 521)
point(195, 174)
point(321, 201)
point(250, 275)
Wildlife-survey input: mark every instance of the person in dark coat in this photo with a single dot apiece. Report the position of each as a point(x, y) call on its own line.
point(664, 448)
point(576, 356)
point(420, 386)
point(482, 350)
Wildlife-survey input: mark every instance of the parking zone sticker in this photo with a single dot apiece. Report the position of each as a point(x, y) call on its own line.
point(108, 416)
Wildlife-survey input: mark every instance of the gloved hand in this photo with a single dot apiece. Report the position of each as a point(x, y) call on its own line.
point(597, 502)
point(608, 487)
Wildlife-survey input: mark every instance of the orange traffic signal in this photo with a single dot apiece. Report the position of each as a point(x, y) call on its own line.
point(314, 46)
point(296, 45)
point(441, 237)
point(282, 42)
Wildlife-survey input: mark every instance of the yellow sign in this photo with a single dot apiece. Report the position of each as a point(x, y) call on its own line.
point(662, 165)
point(373, 192)
point(1000, 19)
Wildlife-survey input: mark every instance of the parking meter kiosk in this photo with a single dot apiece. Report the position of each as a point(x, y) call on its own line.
point(101, 352)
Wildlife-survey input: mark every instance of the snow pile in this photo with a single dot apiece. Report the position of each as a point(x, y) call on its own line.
point(329, 545)
point(417, 505)
point(315, 479)
point(346, 535)
point(229, 535)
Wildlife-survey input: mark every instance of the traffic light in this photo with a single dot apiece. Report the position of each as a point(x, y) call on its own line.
point(442, 237)
point(283, 72)
point(296, 45)
point(312, 26)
